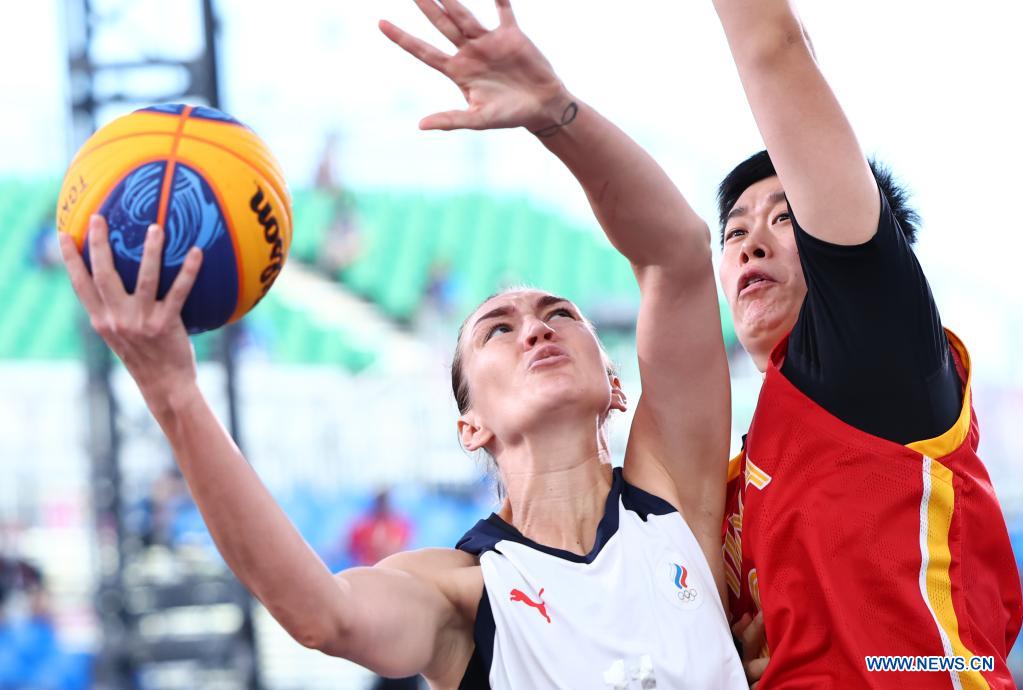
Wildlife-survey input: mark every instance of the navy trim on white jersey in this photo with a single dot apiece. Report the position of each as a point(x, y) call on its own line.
point(477, 673)
point(486, 534)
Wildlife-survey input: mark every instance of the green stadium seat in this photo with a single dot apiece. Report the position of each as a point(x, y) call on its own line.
point(487, 242)
point(313, 212)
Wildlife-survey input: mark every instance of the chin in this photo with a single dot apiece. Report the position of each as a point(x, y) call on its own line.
point(564, 393)
point(760, 338)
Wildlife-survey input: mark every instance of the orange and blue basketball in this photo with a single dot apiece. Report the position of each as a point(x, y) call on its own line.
point(208, 180)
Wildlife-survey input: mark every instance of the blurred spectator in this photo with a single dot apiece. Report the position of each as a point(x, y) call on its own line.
point(343, 239)
point(30, 654)
point(375, 536)
point(442, 288)
point(45, 249)
point(379, 533)
point(20, 578)
point(167, 499)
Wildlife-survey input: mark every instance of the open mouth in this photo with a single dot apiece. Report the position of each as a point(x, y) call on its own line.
point(752, 279)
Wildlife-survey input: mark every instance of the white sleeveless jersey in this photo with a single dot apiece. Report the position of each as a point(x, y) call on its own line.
point(640, 611)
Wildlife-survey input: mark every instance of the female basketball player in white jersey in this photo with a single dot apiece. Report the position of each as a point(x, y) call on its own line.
point(587, 577)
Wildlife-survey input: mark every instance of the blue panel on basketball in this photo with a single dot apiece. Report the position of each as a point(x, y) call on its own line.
point(130, 208)
point(194, 218)
point(169, 108)
point(211, 114)
point(199, 112)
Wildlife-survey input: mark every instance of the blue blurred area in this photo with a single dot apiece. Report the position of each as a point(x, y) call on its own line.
point(1015, 525)
point(439, 517)
point(31, 658)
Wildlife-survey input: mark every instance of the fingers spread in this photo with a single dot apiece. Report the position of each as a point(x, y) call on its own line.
point(182, 285)
point(464, 19)
point(415, 46)
point(104, 275)
point(439, 18)
point(504, 13)
point(81, 281)
point(149, 270)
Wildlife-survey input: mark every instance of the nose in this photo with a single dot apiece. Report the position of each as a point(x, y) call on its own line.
point(537, 331)
point(756, 244)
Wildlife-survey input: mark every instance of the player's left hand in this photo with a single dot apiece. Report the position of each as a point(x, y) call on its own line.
point(505, 79)
point(749, 631)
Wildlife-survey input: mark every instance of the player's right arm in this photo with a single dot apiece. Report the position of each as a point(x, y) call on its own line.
point(822, 169)
point(349, 615)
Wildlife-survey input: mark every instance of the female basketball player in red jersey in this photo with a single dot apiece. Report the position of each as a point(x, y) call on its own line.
point(587, 576)
point(860, 520)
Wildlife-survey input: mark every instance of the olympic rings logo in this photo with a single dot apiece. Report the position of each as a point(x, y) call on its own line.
point(687, 595)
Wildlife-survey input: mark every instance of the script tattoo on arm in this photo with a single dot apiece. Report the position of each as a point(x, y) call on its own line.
point(571, 110)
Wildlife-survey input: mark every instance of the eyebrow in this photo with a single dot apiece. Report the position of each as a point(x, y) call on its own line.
point(742, 210)
point(545, 301)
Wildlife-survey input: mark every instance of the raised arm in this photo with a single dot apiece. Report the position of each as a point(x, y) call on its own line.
point(813, 146)
point(681, 428)
point(680, 435)
point(340, 615)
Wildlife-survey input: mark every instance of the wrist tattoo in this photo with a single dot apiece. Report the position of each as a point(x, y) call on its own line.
point(571, 110)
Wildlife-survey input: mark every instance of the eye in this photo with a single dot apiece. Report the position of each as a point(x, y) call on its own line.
point(733, 233)
point(560, 312)
point(496, 330)
point(781, 218)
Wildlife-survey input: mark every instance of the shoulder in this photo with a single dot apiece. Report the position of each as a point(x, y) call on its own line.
point(655, 498)
point(421, 561)
point(888, 236)
point(455, 573)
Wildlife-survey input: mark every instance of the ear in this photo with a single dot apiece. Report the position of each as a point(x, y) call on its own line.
point(618, 401)
point(472, 433)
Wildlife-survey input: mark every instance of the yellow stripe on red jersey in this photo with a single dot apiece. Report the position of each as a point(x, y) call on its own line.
point(855, 546)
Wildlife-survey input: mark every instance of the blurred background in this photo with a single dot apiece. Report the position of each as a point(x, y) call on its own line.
point(337, 384)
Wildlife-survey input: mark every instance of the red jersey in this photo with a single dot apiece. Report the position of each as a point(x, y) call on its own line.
point(855, 546)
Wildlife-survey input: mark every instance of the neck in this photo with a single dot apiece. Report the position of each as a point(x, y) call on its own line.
point(557, 484)
point(759, 351)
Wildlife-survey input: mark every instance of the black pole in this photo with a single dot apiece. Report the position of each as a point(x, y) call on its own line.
point(118, 663)
point(211, 71)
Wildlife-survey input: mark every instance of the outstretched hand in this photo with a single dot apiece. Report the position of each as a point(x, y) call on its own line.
point(145, 333)
point(506, 80)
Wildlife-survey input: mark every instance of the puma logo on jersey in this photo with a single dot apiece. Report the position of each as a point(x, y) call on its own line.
point(756, 476)
point(519, 595)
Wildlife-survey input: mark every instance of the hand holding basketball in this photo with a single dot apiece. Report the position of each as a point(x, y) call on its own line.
point(208, 181)
point(505, 79)
point(147, 334)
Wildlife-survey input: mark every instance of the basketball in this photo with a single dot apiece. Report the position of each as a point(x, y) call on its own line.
point(208, 180)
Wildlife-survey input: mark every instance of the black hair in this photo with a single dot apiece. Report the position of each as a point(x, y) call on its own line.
point(759, 167)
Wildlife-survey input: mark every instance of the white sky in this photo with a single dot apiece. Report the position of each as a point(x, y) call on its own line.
point(931, 87)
